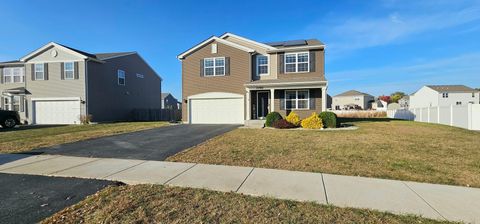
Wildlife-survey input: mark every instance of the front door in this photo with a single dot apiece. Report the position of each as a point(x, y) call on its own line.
point(262, 102)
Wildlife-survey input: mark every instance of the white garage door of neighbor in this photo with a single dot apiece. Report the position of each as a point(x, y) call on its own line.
point(217, 111)
point(57, 112)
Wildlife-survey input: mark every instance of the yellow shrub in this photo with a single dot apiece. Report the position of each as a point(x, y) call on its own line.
point(312, 122)
point(293, 118)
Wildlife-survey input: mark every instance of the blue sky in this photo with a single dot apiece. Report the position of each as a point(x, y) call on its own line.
point(373, 46)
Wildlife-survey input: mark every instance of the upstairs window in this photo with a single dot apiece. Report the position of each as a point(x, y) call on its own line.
point(459, 103)
point(39, 72)
point(69, 70)
point(121, 77)
point(297, 62)
point(262, 65)
point(445, 95)
point(13, 75)
point(214, 66)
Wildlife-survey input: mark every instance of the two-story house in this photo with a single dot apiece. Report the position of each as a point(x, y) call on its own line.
point(231, 79)
point(56, 84)
point(444, 95)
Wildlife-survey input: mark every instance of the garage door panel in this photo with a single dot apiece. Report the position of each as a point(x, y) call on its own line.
point(217, 111)
point(56, 112)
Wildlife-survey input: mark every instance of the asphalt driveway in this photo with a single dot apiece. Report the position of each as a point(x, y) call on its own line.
point(153, 144)
point(30, 199)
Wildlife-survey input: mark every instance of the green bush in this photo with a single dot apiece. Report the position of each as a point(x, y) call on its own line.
point(329, 119)
point(272, 117)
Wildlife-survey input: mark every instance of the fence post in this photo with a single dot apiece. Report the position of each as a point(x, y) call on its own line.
point(469, 117)
point(438, 114)
point(451, 115)
point(421, 114)
point(428, 114)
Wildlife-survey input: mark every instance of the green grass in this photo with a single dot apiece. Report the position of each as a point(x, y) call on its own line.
point(382, 148)
point(28, 138)
point(158, 204)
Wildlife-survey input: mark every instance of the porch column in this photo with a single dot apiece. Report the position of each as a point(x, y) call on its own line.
point(272, 100)
point(324, 98)
point(249, 117)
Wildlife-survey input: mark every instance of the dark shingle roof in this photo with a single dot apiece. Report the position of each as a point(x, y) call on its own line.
point(79, 51)
point(102, 56)
point(11, 62)
point(353, 93)
point(451, 88)
point(294, 43)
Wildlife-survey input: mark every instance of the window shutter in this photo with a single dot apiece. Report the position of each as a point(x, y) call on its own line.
point(45, 70)
point(227, 65)
point(254, 65)
point(312, 99)
point(312, 61)
point(21, 101)
point(1, 75)
point(62, 71)
point(32, 71)
point(201, 68)
point(282, 100)
point(75, 70)
point(281, 63)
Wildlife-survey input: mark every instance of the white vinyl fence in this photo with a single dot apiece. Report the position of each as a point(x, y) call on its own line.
point(464, 116)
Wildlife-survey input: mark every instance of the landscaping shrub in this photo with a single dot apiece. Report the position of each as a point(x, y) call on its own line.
point(283, 124)
point(272, 117)
point(329, 119)
point(312, 122)
point(293, 118)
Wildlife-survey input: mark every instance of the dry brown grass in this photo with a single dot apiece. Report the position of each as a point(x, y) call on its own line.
point(28, 138)
point(362, 114)
point(157, 204)
point(381, 148)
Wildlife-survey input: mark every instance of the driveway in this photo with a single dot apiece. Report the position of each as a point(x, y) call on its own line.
point(30, 199)
point(153, 144)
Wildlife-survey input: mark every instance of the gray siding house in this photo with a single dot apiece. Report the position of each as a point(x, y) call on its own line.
point(56, 84)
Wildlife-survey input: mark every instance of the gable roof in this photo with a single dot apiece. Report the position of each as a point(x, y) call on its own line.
point(295, 43)
point(214, 38)
point(105, 56)
point(225, 35)
point(451, 88)
point(353, 93)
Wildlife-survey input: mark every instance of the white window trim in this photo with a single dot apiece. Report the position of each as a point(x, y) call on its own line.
point(296, 62)
point(12, 75)
point(296, 99)
point(214, 67)
point(65, 70)
point(268, 65)
point(124, 77)
point(43, 71)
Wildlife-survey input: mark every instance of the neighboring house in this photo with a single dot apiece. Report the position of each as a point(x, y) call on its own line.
point(230, 79)
point(56, 84)
point(443, 95)
point(352, 100)
point(169, 102)
point(404, 102)
point(379, 105)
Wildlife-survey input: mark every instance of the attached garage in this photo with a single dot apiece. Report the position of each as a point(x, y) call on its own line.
point(56, 110)
point(216, 108)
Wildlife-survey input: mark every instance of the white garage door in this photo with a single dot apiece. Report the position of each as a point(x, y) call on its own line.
point(217, 110)
point(56, 111)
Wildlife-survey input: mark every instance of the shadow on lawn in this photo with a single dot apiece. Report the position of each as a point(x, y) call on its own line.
point(28, 127)
point(346, 120)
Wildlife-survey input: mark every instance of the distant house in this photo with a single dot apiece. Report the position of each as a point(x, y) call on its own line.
point(352, 100)
point(444, 95)
point(379, 105)
point(404, 102)
point(169, 101)
point(56, 84)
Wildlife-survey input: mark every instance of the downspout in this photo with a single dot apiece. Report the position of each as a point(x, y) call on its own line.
point(86, 87)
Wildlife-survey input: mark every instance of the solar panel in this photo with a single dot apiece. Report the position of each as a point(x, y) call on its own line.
point(278, 43)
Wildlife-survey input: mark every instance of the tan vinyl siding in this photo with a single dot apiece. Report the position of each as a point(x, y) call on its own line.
point(46, 56)
point(108, 101)
point(193, 83)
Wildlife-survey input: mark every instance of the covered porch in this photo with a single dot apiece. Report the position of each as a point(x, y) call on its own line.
point(283, 96)
point(15, 100)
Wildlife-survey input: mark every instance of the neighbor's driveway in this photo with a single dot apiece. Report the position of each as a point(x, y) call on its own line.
point(153, 144)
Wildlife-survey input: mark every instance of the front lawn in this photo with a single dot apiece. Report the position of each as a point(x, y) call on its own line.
point(382, 148)
point(28, 138)
point(158, 204)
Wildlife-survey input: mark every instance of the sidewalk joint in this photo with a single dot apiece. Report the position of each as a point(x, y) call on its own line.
point(144, 161)
point(166, 182)
point(53, 157)
point(58, 171)
point(245, 179)
point(324, 189)
point(423, 199)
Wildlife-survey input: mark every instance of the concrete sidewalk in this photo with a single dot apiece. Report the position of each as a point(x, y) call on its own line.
point(401, 197)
